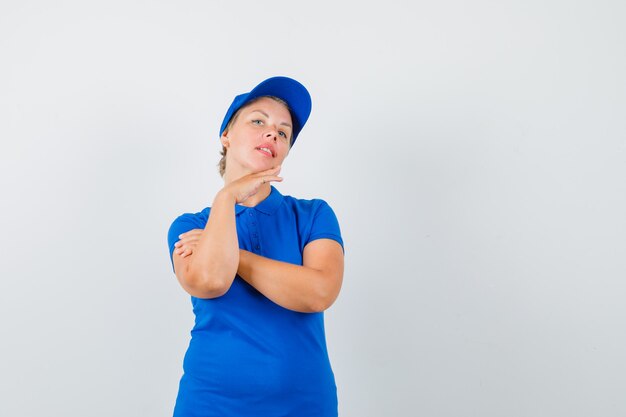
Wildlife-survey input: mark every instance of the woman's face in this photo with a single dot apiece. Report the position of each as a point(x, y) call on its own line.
point(259, 137)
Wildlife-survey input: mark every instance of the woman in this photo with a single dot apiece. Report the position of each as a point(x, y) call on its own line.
point(260, 268)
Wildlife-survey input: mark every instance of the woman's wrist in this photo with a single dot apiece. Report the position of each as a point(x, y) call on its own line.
point(223, 196)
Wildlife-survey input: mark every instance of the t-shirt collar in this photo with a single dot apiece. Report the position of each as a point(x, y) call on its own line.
point(267, 206)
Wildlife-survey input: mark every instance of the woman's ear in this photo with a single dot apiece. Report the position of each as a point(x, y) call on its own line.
point(224, 139)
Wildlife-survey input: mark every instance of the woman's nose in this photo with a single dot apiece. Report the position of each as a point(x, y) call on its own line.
point(271, 134)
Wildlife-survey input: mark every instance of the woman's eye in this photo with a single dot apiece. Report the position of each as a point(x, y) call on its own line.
point(257, 122)
point(283, 134)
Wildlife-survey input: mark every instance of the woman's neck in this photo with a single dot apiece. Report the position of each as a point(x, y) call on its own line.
point(262, 194)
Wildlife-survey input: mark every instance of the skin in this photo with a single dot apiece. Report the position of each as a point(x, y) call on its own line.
point(207, 260)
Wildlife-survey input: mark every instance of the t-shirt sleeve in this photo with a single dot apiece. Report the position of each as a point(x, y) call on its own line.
point(182, 224)
point(324, 225)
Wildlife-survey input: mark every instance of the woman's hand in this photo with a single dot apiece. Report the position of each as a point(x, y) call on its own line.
point(187, 243)
point(249, 185)
point(240, 190)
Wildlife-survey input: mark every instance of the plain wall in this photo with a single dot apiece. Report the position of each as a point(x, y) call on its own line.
point(474, 152)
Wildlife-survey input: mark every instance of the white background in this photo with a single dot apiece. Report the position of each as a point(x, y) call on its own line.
point(474, 153)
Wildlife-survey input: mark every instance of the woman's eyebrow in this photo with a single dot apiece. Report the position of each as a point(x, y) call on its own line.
point(262, 112)
point(268, 116)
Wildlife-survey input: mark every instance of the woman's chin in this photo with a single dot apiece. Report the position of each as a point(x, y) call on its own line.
point(259, 166)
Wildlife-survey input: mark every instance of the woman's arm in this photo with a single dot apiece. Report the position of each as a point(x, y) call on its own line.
point(210, 270)
point(206, 260)
point(309, 288)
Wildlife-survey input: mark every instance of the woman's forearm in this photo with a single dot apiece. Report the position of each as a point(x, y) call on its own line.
point(295, 287)
point(214, 263)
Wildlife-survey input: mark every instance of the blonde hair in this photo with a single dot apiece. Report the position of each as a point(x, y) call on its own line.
point(222, 163)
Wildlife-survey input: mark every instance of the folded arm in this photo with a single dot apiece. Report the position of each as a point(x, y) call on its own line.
point(210, 269)
point(312, 287)
point(206, 260)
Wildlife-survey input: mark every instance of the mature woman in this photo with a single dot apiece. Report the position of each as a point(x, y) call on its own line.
point(261, 268)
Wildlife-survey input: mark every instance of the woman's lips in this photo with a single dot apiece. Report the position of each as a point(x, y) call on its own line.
point(265, 151)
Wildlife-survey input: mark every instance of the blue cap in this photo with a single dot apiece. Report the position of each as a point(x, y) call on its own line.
point(291, 91)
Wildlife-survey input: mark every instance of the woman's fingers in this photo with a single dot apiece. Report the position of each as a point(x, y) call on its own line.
point(269, 178)
point(268, 175)
point(185, 250)
point(192, 232)
point(190, 235)
point(188, 240)
point(249, 185)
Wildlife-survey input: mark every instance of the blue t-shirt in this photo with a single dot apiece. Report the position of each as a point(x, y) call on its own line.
point(248, 356)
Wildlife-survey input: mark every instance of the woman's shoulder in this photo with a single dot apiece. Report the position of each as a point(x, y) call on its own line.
point(305, 205)
point(315, 219)
point(200, 218)
point(308, 207)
